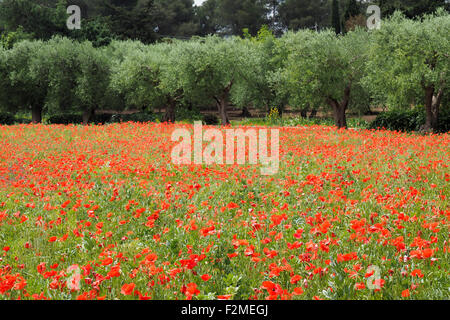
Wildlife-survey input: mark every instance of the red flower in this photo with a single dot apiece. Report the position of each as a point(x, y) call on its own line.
point(298, 291)
point(405, 293)
point(127, 289)
point(191, 290)
point(206, 277)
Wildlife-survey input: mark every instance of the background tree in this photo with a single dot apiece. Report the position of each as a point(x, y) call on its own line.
point(207, 18)
point(274, 21)
point(353, 16)
point(353, 9)
point(41, 18)
point(411, 8)
point(299, 14)
point(136, 20)
point(336, 17)
point(235, 15)
point(176, 18)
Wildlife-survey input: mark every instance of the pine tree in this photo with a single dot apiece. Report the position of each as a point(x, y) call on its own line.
point(353, 9)
point(335, 17)
point(299, 14)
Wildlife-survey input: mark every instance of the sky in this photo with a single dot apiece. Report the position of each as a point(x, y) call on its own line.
point(199, 2)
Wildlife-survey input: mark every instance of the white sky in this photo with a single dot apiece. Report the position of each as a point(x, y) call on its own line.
point(199, 2)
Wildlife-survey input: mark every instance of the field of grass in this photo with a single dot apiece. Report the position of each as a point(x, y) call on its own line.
point(100, 212)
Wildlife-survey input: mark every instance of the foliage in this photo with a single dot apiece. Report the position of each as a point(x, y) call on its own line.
point(42, 18)
point(65, 118)
point(8, 39)
point(409, 120)
point(6, 118)
point(186, 114)
point(210, 119)
point(336, 17)
point(322, 65)
point(307, 70)
point(299, 14)
point(407, 58)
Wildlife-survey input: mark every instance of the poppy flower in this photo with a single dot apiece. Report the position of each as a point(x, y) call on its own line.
point(127, 289)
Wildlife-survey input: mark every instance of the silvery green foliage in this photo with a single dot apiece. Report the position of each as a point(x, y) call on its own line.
point(136, 74)
point(407, 55)
point(321, 65)
point(58, 75)
point(202, 69)
point(56, 63)
point(92, 78)
point(77, 74)
point(258, 90)
point(24, 88)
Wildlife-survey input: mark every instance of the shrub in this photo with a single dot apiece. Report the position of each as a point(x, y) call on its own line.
point(102, 118)
point(6, 118)
point(184, 114)
point(444, 121)
point(22, 120)
point(210, 120)
point(400, 120)
point(65, 118)
point(409, 120)
point(134, 117)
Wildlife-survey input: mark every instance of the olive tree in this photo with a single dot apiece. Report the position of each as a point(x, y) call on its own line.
point(138, 77)
point(259, 89)
point(409, 61)
point(27, 90)
point(76, 75)
point(55, 63)
point(285, 90)
point(56, 76)
point(4, 80)
point(92, 78)
point(326, 68)
point(207, 69)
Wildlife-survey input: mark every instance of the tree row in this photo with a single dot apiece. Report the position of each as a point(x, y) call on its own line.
point(404, 63)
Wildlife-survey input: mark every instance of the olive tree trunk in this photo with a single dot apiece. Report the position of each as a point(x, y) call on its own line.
point(339, 108)
point(432, 104)
point(169, 116)
point(36, 114)
point(88, 114)
point(222, 104)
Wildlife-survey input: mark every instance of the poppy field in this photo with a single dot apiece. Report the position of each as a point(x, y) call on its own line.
point(101, 212)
